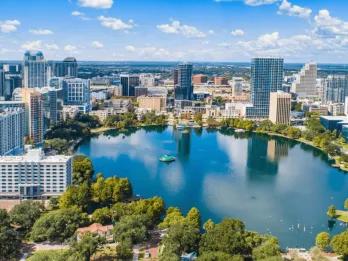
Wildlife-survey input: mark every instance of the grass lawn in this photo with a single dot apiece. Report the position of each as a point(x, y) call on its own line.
point(342, 215)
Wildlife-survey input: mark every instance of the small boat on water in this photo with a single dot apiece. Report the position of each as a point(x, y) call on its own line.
point(167, 158)
point(180, 127)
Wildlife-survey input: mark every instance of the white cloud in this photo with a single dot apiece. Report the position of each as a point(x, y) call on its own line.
point(79, 15)
point(97, 45)
point(259, 2)
point(52, 47)
point(115, 23)
point(130, 48)
point(290, 9)
point(237, 32)
point(9, 26)
point(32, 45)
point(272, 44)
point(40, 31)
point(70, 48)
point(177, 28)
point(328, 26)
point(101, 4)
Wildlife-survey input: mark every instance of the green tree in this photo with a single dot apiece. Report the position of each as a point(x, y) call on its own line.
point(181, 238)
point(9, 241)
point(86, 247)
point(76, 196)
point(346, 204)
point(208, 225)
point(227, 236)
point(82, 170)
point(111, 190)
point(218, 256)
point(124, 250)
point(331, 211)
point(102, 216)
point(193, 217)
point(4, 218)
point(51, 255)
point(339, 244)
point(25, 214)
point(269, 248)
point(198, 118)
point(173, 216)
point(58, 225)
point(322, 240)
point(131, 228)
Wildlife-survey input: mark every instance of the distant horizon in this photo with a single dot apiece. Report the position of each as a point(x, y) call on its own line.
point(174, 62)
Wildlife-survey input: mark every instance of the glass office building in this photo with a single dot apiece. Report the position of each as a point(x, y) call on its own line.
point(266, 77)
point(183, 88)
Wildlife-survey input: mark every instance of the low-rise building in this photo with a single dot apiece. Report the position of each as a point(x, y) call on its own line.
point(103, 114)
point(34, 175)
point(69, 112)
point(219, 80)
point(199, 79)
point(96, 229)
point(152, 103)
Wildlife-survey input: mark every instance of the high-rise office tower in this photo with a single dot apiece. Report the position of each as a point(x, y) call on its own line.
point(34, 115)
point(50, 105)
point(176, 76)
point(76, 92)
point(305, 84)
point(280, 107)
point(12, 122)
point(34, 70)
point(335, 88)
point(66, 68)
point(184, 89)
point(128, 83)
point(2, 83)
point(266, 77)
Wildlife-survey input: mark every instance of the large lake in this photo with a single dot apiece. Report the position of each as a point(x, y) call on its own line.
point(274, 185)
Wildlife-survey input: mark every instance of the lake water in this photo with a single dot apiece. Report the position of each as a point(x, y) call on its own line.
point(274, 185)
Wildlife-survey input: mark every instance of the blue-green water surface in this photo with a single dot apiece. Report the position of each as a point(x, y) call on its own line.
point(274, 185)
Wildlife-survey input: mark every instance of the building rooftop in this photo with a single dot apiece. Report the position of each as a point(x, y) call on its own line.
point(335, 118)
point(35, 155)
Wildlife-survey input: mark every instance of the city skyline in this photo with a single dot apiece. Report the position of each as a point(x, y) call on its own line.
point(166, 30)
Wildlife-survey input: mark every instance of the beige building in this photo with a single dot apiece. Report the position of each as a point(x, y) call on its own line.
point(305, 84)
point(33, 101)
point(152, 103)
point(280, 107)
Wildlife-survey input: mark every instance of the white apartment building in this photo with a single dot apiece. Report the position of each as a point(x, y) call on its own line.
point(305, 84)
point(34, 175)
point(12, 130)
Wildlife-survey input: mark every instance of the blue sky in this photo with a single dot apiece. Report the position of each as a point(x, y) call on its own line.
point(176, 30)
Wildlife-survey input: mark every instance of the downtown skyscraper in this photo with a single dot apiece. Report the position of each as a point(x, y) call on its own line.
point(183, 88)
point(34, 70)
point(266, 77)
